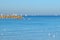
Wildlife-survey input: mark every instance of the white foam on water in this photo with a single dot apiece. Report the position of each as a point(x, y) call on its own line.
point(53, 36)
point(49, 34)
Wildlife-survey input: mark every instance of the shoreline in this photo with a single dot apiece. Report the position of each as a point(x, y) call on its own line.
point(10, 16)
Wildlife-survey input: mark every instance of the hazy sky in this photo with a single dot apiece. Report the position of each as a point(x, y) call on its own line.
point(30, 6)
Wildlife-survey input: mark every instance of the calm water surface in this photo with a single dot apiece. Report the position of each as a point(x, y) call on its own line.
point(30, 28)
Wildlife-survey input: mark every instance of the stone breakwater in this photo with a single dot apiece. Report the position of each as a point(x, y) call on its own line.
point(11, 16)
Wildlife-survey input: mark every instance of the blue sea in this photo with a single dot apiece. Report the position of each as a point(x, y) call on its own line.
point(30, 28)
